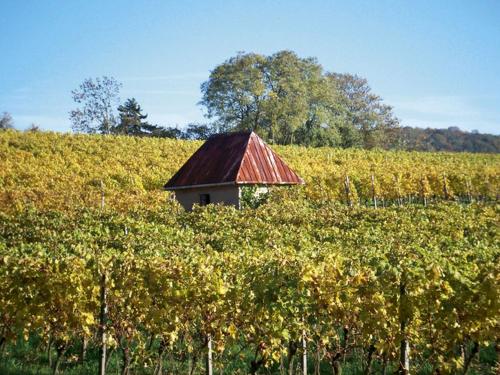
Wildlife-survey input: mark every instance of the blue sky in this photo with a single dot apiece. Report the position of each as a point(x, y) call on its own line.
point(436, 62)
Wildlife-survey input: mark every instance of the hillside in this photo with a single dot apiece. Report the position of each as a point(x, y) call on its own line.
point(62, 170)
point(362, 289)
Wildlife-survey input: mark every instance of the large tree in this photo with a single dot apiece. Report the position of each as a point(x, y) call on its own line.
point(285, 98)
point(374, 120)
point(98, 98)
point(288, 99)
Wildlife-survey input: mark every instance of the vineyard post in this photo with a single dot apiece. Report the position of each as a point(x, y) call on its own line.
point(209, 355)
point(398, 190)
point(102, 195)
point(347, 186)
point(102, 326)
point(469, 194)
point(304, 353)
point(374, 196)
point(104, 310)
point(422, 192)
point(445, 187)
point(404, 361)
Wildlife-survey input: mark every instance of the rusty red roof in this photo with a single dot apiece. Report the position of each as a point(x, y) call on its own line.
point(233, 158)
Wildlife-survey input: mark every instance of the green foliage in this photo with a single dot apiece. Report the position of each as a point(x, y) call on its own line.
point(251, 197)
point(291, 100)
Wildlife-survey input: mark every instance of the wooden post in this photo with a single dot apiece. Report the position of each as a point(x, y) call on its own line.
point(83, 353)
point(347, 186)
point(102, 326)
point(422, 192)
point(374, 196)
point(404, 358)
point(445, 187)
point(209, 370)
point(469, 194)
point(398, 191)
point(104, 310)
point(102, 195)
point(304, 353)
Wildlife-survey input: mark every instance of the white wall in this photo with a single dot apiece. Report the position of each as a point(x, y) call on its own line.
point(229, 195)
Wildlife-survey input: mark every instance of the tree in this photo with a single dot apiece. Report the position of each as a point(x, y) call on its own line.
point(281, 97)
point(198, 132)
point(373, 120)
point(98, 98)
point(6, 121)
point(131, 119)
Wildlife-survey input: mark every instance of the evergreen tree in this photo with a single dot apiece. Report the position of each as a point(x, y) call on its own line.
point(132, 120)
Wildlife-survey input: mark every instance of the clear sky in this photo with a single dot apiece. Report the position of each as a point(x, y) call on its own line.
point(436, 62)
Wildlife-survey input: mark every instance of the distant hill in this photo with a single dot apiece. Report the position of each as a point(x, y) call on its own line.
point(451, 139)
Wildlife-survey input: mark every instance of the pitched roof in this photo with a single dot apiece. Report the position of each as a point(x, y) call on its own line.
point(233, 158)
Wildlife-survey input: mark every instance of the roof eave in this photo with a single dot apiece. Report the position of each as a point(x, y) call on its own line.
point(173, 188)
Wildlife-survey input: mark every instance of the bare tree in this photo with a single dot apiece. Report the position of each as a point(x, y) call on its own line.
point(6, 121)
point(98, 98)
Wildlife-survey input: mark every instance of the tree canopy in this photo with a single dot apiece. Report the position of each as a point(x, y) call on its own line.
point(98, 98)
point(288, 99)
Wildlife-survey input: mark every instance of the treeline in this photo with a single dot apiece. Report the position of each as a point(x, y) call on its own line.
point(451, 139)
point(285, 98)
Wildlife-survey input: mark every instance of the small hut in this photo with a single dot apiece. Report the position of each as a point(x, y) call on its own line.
point(223, 165)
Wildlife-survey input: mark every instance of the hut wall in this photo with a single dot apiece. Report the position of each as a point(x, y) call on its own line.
point(229, 195)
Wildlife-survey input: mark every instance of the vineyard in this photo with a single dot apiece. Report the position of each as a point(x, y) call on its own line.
point(59, 171)
point(381, 258)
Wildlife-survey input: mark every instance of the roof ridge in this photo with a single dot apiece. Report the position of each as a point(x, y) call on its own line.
point(243, 157)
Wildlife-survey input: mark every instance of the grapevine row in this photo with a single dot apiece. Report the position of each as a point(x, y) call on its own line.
point(254, 283)
point(61, 171)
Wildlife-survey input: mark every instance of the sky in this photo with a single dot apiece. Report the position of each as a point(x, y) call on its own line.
point(436, 62)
